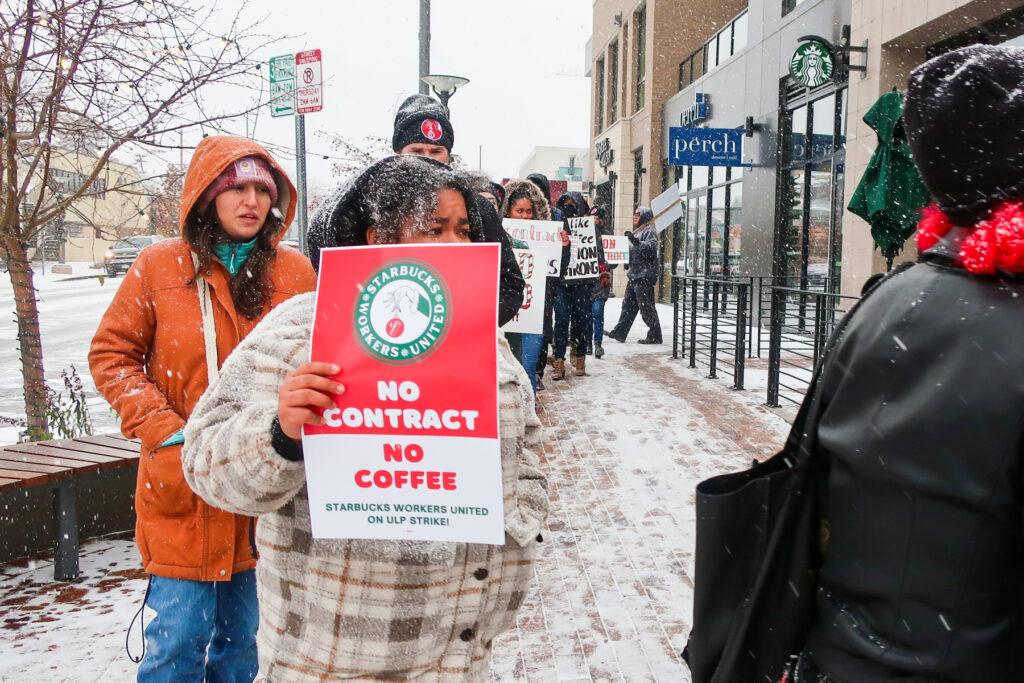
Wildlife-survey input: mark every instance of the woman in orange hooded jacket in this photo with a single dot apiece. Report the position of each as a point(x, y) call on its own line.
point(183, 307)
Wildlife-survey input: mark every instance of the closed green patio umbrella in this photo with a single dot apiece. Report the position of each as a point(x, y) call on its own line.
point(891, 194)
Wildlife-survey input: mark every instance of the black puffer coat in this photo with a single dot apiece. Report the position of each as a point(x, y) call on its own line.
point(343, 218)
point(922, 434)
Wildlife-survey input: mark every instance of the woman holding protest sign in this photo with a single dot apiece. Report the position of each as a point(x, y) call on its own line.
point(369, 609)
point(524, 201)
point(184, 305)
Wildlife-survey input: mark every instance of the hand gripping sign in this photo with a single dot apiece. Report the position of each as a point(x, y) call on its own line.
point(410, 450)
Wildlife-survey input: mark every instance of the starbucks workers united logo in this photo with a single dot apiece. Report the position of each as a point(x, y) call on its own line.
point(403, 312)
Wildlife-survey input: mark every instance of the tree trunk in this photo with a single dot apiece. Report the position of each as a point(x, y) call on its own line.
point(29, 341)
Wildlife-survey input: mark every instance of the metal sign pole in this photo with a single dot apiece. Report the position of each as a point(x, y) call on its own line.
point(300, 175)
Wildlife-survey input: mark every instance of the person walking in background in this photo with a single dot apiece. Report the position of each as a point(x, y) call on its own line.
point(642, 272)
point(364, 609)
point(920, 428)
point(182, 308)
point(601, 293)
point(524, 201)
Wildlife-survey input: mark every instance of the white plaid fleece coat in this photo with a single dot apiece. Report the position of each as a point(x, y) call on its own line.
point(362, 610)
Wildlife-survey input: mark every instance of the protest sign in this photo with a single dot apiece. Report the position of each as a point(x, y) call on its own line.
point(530, 318)
point(616, 249)
point(667, 207)
point(543, 236)
point(582, 248)
point(410, 450)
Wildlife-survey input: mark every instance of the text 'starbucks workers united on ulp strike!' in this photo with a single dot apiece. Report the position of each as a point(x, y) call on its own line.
point(411, 450)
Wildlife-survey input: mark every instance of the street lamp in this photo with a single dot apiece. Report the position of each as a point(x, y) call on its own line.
point(444, 86)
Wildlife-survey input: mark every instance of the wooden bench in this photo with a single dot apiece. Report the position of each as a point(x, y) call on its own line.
point(57, 464)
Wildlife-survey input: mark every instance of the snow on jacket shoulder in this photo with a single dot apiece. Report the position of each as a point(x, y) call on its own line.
point(333, 609)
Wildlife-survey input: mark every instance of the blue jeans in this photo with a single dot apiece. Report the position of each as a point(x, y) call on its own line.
point(532, 344)
point(203, 630)
point(597, 309)
point(572, 305)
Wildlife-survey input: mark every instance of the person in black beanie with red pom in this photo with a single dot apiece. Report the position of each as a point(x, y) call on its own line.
point(921, 428)
point(422, 129)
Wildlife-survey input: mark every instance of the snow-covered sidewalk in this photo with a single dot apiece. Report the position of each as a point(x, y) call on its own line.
point(624, 448)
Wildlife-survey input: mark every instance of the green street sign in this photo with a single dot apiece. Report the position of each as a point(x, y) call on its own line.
point(282, 85)
point(813, 64)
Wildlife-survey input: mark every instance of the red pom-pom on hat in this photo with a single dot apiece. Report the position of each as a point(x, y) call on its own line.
point(934, 224)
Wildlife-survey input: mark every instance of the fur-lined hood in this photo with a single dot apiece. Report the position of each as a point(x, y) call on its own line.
point(541, 209)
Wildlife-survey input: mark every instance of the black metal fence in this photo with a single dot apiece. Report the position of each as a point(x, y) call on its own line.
point(800, 324)
point(720, 323)
point(711, 324)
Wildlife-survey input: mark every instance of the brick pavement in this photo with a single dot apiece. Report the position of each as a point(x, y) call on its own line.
point(624, 449)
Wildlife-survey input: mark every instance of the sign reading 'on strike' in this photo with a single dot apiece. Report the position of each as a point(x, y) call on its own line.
point(410, 450)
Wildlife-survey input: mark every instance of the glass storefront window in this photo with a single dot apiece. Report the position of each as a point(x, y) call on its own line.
point(823, 122)
point(718, 175)
point(698, 177)
point(716, 254)
point(798, 134)
point(819, 225)
point(793, 224)
point(735, 242)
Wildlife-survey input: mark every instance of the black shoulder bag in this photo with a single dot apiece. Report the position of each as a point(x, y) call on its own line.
point(758, 554)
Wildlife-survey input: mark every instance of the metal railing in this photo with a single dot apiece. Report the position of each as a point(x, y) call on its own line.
point(800, 324)
point(711, 324)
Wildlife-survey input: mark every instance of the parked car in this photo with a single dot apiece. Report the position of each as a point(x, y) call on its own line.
point(120, 257)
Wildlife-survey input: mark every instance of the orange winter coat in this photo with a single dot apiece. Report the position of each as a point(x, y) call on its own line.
point(148, 360)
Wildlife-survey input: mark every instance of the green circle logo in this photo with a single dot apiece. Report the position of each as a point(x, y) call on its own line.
point(403, 312)
point(812, 64)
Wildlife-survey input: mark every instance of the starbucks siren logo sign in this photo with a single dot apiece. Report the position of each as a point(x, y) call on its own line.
point(812, 64)
point(403, 312)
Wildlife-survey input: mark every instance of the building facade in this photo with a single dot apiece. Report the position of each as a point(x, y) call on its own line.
point(569, 164)
point(115, 205)
point(900, 35)
point(635, 49)
point(781, 212)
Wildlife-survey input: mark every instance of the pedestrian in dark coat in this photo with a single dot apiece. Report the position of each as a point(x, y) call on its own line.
point(922, 417)
point(643, 269)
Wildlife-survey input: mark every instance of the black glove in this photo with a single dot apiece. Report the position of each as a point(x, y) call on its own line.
point(631, 237)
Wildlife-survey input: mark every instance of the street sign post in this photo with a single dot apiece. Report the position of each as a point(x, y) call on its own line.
point(282, 85)
point(296, 89)
point(309, 95)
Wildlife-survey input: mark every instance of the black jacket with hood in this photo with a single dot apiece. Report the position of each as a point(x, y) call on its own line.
point(921, 436)
point(341, 221)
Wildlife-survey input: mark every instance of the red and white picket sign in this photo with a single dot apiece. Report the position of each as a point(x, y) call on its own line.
point(410, 450)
